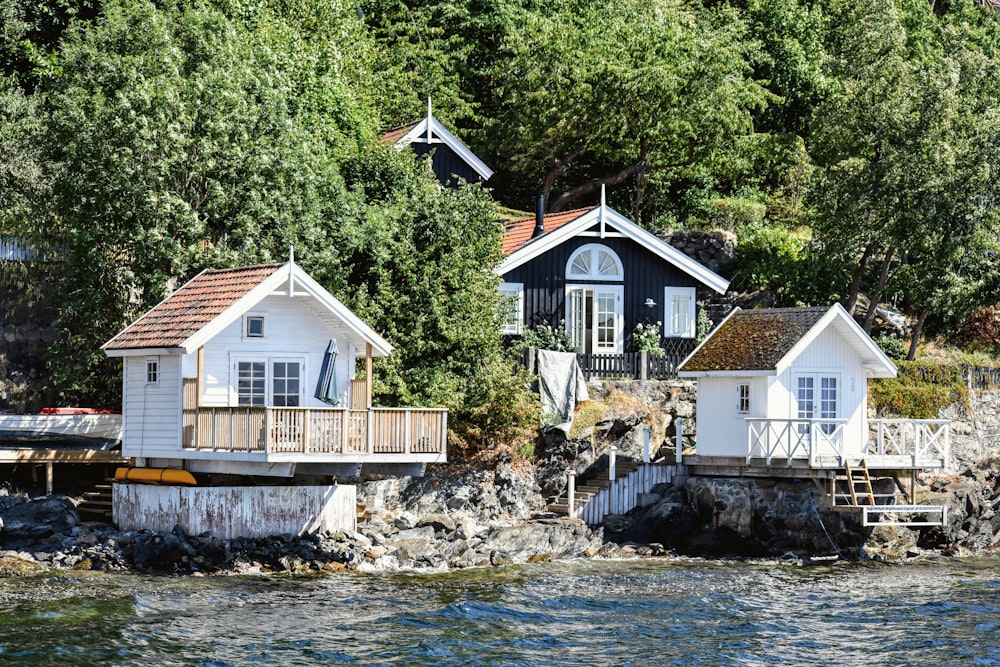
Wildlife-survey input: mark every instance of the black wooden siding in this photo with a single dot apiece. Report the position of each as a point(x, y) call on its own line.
point(447, 164)
point(646, 275)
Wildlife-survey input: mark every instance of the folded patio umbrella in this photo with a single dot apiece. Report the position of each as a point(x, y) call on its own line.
point(326, 387)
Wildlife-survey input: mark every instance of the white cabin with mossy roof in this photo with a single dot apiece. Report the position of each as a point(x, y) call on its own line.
point(251, 371)
point(792, 384)
point(784, 392)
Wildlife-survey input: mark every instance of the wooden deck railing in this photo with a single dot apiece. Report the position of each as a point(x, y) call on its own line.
point(912, 442)
point(319, 431)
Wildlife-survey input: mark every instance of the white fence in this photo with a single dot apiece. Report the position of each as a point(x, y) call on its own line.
point(623, 493)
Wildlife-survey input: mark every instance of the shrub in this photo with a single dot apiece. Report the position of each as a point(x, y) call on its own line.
point(646, 338)
point(892, 347)
point(920, 390)
point(982, 326)
point(547, 337)
point(796, 271)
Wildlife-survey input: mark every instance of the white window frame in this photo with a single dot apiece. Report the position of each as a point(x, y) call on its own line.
point(254, 317)
point(816, 411)
point(580, 345)
point(594, 273)
point(513, 295)
point(268, 361)
point(743, 398)
point(686, 329)
point(152, 371)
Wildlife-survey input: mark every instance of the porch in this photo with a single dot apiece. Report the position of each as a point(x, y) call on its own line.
point(319, 435)
point(892, 444)
point(630, 365)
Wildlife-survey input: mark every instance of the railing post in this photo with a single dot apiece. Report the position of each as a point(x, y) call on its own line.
point(680, 434)
point(643, 365)
point(645, 445)
point(370, 431)
point(408, 431)
point(531, 360)
point(612, 463)
point(571, 494)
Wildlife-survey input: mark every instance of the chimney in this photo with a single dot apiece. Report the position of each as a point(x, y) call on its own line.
point(539, 217)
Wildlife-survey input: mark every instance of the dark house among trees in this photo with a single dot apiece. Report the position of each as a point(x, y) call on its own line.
point(598, 275)
point(451, 160)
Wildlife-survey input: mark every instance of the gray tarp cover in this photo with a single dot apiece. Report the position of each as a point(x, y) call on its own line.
point(561, 386)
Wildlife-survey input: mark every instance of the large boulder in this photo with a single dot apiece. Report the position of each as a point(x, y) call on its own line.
point(27, 523)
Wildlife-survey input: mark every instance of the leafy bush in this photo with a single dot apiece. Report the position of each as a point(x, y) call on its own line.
point(892, 347)
point(646, 338)
point(547, 337)
point(733, 212)
point(920, 390)
point(796, 271)
point(982, 327)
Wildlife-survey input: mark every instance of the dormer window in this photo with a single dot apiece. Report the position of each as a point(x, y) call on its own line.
point(255, 326)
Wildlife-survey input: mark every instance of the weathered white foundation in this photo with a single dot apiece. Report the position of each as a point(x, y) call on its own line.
point(228, 512)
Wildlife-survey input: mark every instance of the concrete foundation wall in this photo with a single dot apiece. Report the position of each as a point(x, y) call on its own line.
point(235, 511)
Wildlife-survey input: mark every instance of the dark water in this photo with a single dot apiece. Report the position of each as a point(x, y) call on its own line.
point(652, 612)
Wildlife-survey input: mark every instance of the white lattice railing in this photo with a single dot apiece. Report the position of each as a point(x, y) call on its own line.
point(789, 439)
point(910, 442)
point(922, 440)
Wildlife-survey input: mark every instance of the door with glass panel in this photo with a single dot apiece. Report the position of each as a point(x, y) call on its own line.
point(817, 396)
point(594, 318)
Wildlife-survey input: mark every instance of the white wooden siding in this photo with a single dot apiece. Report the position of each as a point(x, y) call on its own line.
point(291, 330)
point(830, 354)
point(153, 411)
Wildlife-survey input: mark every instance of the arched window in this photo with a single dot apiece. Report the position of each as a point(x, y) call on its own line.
point(594, 262)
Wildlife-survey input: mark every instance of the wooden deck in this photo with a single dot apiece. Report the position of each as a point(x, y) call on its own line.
point(397, 435)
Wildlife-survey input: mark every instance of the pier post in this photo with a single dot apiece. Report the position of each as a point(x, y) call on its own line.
point(572, 493)
point(48, 477)
point(612, 463)
point(680, 433)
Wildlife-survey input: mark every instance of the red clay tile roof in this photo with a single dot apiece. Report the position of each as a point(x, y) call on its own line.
point(397, 133)
point(754, 340)
point(517, 233)
point(191, 307)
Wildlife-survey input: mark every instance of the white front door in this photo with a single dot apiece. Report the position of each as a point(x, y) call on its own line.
point(818, 397)
point(594, 318)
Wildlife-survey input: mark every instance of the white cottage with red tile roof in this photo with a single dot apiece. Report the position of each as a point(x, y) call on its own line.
point(247, 374)
point(223, 377)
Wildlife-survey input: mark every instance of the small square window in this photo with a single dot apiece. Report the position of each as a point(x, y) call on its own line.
point(255, 326)
point(743, 399)
point(152, 371)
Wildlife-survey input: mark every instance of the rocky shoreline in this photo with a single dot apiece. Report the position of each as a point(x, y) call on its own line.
point(492, 519)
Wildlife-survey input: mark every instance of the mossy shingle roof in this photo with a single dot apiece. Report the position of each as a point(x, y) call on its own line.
point(754, 340)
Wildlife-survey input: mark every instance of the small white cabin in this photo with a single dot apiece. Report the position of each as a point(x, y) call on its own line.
point(251, 371)
point(792, 384)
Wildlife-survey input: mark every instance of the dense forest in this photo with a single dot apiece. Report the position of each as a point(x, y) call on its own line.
point(851, 147)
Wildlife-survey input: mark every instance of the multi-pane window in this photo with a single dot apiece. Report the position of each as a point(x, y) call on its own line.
point(513, 294)
point(680, 316)
point(743, 399)
point(152, 371)
point(251, 383)
point(818, 397)
point(595, 262)
point(285, 384)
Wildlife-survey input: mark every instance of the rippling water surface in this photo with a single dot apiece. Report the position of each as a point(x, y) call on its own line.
point(653, 612)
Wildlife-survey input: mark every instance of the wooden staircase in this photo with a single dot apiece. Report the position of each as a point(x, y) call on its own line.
point(95, 505)
point(591, 485)
point(597, 498)
point(860, 496)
